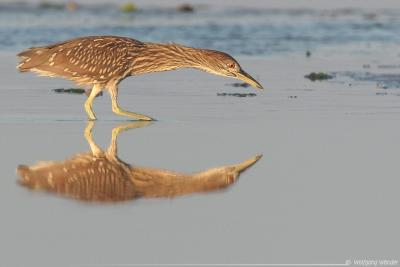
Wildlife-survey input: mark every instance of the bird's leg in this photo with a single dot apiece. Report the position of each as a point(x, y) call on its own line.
point(117, 110)
point(89, 102)
point(96, 150)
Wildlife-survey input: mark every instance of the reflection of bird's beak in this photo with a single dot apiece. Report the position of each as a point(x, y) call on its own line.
point(248, 79)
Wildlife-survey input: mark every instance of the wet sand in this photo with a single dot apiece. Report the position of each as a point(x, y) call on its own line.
point(325, 191)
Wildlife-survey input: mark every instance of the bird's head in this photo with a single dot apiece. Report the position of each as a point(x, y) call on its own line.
point(222, 64)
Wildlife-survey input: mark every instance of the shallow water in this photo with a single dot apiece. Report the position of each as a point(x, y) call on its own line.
point(325, 191)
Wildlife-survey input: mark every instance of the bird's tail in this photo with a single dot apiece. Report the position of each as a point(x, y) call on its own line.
point(31, 58)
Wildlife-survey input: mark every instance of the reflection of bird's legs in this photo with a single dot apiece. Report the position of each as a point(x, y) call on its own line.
point(113, 90)
point(113, 148)
point(96, 150)
point(89, 102)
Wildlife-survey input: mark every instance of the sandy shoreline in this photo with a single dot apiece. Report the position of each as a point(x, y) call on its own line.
point(330, 159)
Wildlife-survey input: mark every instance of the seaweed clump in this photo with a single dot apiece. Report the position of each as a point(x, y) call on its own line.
point(318, 76)
point(69, 90)
point(237, 94)
point(186, 8)
point(128, 7)
point(51, 5)
point(70, 5)
point(78, 91)
point(245, 85)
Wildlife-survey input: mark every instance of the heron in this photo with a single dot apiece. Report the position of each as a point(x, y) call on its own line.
point(102, 62)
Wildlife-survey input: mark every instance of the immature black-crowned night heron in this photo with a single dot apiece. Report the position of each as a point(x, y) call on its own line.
point(104, 61)
point(101, 176)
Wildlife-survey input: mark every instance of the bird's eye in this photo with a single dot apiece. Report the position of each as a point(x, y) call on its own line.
point(231, 65)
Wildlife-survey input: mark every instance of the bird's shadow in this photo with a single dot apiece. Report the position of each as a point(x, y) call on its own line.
point(100, 176)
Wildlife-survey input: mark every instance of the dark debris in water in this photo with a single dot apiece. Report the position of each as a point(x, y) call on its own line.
point(237, 94)
point(382, 80)
point(186, 8)
point(77, 91)
point(388, 66)
point(70, 90)
point(51, 5)
point(318, 76)
point(245, 85)
point(382, 85)
point(70, 5)
point(386, 94)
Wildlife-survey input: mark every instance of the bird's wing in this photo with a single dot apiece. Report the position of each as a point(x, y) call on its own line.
point(85, 60)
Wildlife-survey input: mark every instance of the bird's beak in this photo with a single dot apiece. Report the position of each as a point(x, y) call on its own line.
point(242, 75)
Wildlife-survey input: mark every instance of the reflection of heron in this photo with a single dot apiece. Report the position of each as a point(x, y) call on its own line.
point(104, 61)
point(102, 176)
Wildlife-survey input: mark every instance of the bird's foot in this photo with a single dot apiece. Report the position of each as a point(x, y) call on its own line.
point(133, 115)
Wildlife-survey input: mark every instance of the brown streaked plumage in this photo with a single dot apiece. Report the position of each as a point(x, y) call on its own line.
point(101, 176)
point(102, 62)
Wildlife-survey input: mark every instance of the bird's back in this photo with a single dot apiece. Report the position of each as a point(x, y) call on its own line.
point(86, 60)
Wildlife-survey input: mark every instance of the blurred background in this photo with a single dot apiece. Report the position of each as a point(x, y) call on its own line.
point(248, 28)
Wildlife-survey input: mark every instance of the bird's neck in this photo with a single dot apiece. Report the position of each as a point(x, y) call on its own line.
point(163, 57)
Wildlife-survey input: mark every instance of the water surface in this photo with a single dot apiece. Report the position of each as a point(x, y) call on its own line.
point(326, 190)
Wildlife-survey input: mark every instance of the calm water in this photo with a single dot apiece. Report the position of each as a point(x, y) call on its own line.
point(240, 31)
point(325, 191)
